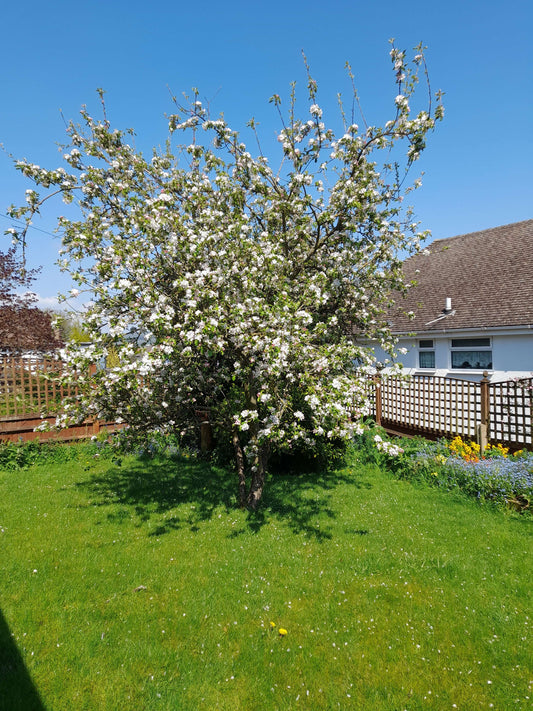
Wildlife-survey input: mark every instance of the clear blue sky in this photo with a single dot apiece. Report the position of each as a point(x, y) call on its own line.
point(478, 164)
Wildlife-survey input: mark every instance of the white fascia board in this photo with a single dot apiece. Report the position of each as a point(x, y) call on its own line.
point(482, 330)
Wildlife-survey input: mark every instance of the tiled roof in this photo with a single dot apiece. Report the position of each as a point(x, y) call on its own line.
point(488, 276)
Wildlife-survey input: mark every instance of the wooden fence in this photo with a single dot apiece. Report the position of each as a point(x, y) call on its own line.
point(419, 404)
point(30, 395)
point(446, 407)
point(28, 386)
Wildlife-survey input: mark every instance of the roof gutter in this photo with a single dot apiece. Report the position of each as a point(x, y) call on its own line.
point(523, 328)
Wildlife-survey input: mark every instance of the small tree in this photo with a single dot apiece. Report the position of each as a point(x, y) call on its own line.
point(226, 286)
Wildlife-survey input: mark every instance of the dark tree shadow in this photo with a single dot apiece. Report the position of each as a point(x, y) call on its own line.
point(17, 690)
point(303, 500)
point(151, 488)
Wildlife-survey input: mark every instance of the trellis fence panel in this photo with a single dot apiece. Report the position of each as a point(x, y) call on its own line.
point(510, 406)
point(433, 405)
point(30, 394)
point(446, 407)
point(28, 386)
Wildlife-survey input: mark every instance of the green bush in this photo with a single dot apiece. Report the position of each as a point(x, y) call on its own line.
point(148, 444)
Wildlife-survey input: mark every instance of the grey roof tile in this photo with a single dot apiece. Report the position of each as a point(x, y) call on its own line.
point(488, 276)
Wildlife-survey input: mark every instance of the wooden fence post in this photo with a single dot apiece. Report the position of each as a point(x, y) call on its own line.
point(206, 436)
point(483, 427)
point(96, 423)
point(377, 396)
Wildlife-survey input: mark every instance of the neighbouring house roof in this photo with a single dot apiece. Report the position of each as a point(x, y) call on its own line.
point(488, 276)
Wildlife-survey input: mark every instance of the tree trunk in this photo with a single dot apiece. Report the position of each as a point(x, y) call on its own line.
point(239, 458)
point(258, 478)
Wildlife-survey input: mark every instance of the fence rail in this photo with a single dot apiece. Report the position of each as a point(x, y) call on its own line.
point(16, 429)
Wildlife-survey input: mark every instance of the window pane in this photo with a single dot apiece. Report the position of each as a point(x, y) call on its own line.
point(426, 359)
point(472, 359)
point(470, 342)
point(426, 343)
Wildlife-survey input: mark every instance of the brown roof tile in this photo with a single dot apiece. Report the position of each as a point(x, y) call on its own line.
point(488, 275)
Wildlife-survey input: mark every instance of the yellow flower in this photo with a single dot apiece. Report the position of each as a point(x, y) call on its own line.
point(467, 450)
point(272, 625)
point(434, 474)
point(282, 632)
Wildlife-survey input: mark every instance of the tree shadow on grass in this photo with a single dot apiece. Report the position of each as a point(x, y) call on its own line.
point(303, 501)
point(157, 490)
point(151, 488)
point(17, 690)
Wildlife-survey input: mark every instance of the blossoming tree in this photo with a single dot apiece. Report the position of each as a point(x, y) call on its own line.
point(231, 288)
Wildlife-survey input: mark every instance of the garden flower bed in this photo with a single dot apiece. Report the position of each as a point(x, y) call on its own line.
point(493, 475)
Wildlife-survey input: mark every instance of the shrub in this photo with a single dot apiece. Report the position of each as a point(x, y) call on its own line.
point(327, 454)
point(21, 455)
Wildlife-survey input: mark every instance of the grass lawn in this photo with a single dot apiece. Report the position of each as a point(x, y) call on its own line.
point(140, 586)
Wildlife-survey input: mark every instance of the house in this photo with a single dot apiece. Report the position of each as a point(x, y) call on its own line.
point(471, 306)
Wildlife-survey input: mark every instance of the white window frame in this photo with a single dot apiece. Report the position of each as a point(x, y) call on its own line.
point(426, 348)
point(467, 346)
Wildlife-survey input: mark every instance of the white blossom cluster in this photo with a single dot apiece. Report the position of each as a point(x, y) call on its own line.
point(393, 450)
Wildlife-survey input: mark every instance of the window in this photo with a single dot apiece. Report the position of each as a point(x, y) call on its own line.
point(473, 353)
point(426, 353)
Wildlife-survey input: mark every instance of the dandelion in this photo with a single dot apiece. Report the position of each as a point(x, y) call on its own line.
point(282, 632)
point(272, 625)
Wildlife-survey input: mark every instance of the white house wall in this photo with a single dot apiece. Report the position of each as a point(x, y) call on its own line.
point(512, 355)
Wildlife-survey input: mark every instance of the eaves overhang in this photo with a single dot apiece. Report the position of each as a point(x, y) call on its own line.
point(523, 329)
